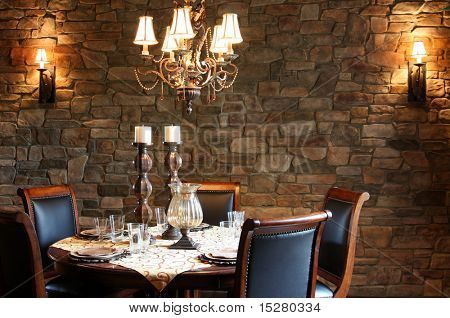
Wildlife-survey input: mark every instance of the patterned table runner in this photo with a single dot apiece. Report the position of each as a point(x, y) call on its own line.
point(159, 265)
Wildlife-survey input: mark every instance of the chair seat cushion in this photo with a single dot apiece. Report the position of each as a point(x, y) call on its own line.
point(323, 291)
point(62, 287)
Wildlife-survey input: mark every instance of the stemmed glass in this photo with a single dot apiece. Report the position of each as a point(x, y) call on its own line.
point(101, 224)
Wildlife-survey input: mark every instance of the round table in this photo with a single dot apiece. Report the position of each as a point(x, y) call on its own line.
point(109, 275)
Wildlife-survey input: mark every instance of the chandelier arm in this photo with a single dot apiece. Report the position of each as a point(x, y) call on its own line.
point(203, 69)
point(210, 64)
point(164, 64)
point(149, 72)
point(208, 79)
point(226, 73)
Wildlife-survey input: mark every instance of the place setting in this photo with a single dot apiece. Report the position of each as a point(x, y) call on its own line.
point(98, 254)
point(228, 234)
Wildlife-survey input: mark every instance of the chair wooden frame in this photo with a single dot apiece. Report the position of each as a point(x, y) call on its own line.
point(273, 226)
point(223, 187)
point(357, 199)
point(35, 254)
point(29, 194)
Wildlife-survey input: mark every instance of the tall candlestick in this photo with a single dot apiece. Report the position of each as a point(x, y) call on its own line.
point(143, 135)
point(173, 163)
point(172, 134)
point(142, 187)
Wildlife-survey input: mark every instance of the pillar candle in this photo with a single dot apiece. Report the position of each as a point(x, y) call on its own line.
point(143, 135)
point(172, 134)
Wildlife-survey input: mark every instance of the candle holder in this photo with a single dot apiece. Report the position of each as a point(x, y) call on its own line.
point(173, 163)
point(142, 187)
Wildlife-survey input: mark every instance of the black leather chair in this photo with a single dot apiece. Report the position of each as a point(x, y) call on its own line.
point(337, 248)
point(216, 199)
point(20, 258)
point(53, 211)
point(278, 258)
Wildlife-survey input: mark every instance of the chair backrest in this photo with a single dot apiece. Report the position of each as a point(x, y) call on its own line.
point(216, 199)
point(20, 259)
point(53, 211)
point(337, 248)
point(278, 258)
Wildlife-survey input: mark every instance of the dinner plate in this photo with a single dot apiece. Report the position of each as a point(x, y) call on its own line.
point(92, 233)
point(201, 227)
point(213, 261)
point(97, 253)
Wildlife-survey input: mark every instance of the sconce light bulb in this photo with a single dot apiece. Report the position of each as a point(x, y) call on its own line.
point(419, 59)
point(41, 65)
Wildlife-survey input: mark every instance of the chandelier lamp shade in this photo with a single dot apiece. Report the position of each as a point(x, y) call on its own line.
point(193, 55)
point(145, 35)
point(181, 27)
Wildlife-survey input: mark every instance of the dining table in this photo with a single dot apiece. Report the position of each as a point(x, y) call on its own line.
point(159, 270)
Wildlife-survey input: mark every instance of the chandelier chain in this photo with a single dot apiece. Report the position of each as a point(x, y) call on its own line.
point(142, 85)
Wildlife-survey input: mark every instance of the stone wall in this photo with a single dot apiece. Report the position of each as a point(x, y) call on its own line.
point(320, 100)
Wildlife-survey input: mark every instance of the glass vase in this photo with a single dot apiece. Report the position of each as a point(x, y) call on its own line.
point(184, 212)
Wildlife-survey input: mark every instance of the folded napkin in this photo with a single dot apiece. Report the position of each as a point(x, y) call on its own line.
point(226, 253)
point(96, 251)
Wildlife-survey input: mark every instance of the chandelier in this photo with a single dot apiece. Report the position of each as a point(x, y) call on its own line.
point(193, 56)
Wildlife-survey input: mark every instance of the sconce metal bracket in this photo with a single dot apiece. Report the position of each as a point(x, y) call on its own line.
point(47, 85)
point(417, 82)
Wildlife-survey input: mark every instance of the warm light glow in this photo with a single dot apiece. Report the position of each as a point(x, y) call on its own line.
point(181, 24)
point(170, 44)
point(145, 35)
point(419, 51)
point(230, 28)
point(218, 44)
point(41, 58)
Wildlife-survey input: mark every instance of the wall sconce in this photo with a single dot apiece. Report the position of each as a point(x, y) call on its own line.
point(47, 87)
point(417, 75)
